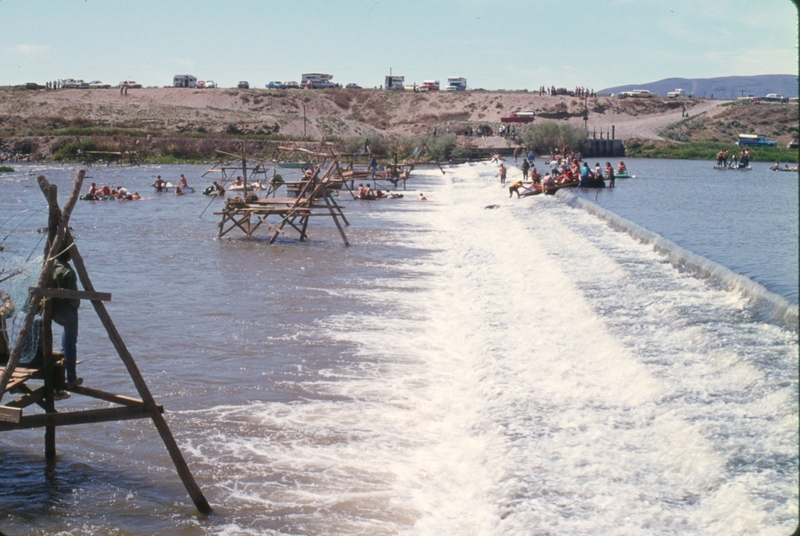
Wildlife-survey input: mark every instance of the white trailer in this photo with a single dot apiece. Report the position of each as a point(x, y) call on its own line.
point(395, 82)
point(184, 80)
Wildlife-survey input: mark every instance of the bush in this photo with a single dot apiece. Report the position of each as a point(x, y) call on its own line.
point(441, 147)
point(543, 137)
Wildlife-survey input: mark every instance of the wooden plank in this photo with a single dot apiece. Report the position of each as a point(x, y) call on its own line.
point(108, 397)
point(30, 398)
point(70, 294)
point(10, 414)
point(79, 417)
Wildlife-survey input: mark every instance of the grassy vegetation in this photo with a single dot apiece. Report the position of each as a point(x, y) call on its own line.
point(705, 151)
point(542, 137)
point(6, 169)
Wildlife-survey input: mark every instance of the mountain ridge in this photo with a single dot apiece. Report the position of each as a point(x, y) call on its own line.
point(723, 87)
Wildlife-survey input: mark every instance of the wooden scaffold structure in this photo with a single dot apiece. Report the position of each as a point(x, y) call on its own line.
point(258, 173)
point(15, 379)
point(312, 196)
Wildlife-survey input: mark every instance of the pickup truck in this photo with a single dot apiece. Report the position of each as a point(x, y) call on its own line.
point(518, 117)
point(755, 140)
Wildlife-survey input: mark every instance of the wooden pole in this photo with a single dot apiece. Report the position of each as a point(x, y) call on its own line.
point(47, 330)
point(49, 401)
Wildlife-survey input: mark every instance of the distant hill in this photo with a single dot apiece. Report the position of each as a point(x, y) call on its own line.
point(724, 87)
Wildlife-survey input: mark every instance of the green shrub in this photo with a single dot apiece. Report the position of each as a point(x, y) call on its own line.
point(543, 137)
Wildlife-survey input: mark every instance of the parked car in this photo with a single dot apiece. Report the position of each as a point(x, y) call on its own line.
point(774, 97)
point(130, 83)
point(97, 84)
point(71, 83)
point(210, 84)
point(794, 144)
point(352, 86)
point(292, 85)
point(243, 85)
point(641, 93)
point(276, 85)
point(321, 85)
point(755, 140)
point(201, 84)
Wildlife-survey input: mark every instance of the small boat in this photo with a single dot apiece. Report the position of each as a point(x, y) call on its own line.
point(733, 168)
point(89, 197)
point(293, 165)
point(169, 186)
point(250, 187)
point(536, 189)
point(620, 176)
point(794, 169)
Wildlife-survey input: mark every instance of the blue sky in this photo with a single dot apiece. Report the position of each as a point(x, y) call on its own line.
point(495, 44)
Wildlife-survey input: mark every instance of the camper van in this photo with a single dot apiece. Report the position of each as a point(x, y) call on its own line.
point(316, 81)
point(456, 83)
point(429, 85)
point(395, 82)
point(184, 80)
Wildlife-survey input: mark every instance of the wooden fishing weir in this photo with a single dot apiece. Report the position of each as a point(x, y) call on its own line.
point(313, 196)
point(112, 156)
point(15, 380)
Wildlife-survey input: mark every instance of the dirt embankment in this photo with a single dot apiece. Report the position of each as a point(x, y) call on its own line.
point(30, 119)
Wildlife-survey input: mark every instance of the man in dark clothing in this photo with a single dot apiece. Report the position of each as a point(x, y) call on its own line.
point(6, 311)
point(525, 167)
point(65, 314)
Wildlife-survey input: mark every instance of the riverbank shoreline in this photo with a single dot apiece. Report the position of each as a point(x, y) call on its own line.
point(187, 125)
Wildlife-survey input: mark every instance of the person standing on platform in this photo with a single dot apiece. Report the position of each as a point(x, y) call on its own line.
point(6, 311)
point(65, 314)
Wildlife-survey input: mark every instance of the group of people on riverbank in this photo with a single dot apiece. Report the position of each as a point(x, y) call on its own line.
point(579, 91)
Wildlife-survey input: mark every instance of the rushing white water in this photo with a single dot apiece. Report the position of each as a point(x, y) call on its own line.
point(536, 372)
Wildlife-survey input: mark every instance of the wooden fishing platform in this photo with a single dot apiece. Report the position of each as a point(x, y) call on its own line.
point(112, 157)
point(15, 414)
point(313, 198)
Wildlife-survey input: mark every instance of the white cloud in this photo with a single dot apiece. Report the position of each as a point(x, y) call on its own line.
point(28, 51)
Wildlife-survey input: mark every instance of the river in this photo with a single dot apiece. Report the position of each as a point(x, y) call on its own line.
point(522, 369)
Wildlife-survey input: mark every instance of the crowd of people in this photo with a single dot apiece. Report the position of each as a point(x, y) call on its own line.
point(96, 193)
point(740, 159)
point(579, 91)
point(564, 171)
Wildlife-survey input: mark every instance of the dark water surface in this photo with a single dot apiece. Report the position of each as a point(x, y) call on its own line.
point(457, 370)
